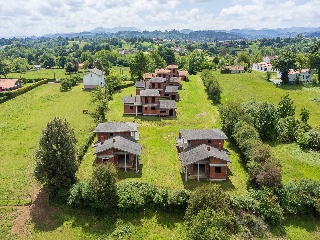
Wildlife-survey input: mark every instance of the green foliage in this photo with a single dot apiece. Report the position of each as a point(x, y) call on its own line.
point(268, 73)
point(80, 195)
point(103, 188)
point(210, 196)
point(211, 224)
point(298, 197)
point(231, 113)
point(178, 199)
point(260, 152)
point(196, 62)
point(285, 61)
point(251, 225)
point(269, 174)
point(112, 82)
point(167, 54)
point(262, 202)
point(56, 162)
point(99, 98)
point(310, 139)
point(135, 195)
point(47, 60)
point(304, 115)
point(138, 65)
point(212, 86)
point(286, 129)
point(264, 118)
point(285, 107)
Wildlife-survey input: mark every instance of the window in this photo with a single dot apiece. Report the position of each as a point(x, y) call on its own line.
point(153, 108)
point(209, 141)
point(153, 100)
point(145, 108)
point(146, 99)
point(131, 107)
point(166, 94)
point(217, 169)
point(105, 160)
point(111, 134)
point(153, 85)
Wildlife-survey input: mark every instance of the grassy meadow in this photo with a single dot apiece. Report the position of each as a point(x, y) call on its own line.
point(23, 118)
point(296, 163)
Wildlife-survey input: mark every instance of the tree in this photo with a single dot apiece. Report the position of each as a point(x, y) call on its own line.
point(99, 98)
point(196, 62)
point(285, 107)
point(138, 65)
point(4, 67)
point(167, 54)
point(314, 57)
point(156, 61)
point(56, 162)
point(285, 61)
point(47, 60)
point(243, 57)
point(19, 65)
point(304, 115)
point(61, 61)
point(103, 187)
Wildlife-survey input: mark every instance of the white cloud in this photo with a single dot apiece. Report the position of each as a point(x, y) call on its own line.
point(33, 17)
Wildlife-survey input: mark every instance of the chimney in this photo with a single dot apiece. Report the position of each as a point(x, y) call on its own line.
point(113, 140)
point(131, 95)
point(101, 139)
point(208, 148)
point(220, 146)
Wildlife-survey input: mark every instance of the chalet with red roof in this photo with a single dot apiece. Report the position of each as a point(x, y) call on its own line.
point(9, 84)
point(202, 154)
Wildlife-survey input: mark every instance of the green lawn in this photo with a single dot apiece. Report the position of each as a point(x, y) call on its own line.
point(22, 120)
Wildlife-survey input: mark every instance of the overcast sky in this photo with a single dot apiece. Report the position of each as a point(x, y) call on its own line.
point(38, 17)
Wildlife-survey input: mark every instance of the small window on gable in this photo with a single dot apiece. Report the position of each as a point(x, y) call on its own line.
point(145, 108)
point(217, 169)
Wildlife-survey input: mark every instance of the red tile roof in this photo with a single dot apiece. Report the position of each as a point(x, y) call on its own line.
point(8, 83)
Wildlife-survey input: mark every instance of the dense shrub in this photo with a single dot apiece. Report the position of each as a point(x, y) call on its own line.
point(262, 202)
point(208, 197)
point(264, 118)
point(251, 225)
point(82, 149)
point(260, 153)
point(269, 174)
point(135, 195)
point(286, 129)
point(161, 197)
point(178, 200)
point(80, 195)
point(212, 86)
point(310, 139)
point(299, 196)
point(211, 224)
point(231, 113)
point(103, 187)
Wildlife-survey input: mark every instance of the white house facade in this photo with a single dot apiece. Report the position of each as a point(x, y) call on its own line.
point(305, 75)
point(93, 79)
point(268, 59)
point(263, 67)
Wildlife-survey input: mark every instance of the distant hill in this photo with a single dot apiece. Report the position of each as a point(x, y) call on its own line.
point(114, 29)
point(188, 34)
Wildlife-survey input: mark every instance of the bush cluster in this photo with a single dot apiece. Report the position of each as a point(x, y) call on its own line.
point(139, 195)
point(300, 197)
point(212, 86)
point(130, 196)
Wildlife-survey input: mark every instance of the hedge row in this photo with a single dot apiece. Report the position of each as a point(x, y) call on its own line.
point(4, 96)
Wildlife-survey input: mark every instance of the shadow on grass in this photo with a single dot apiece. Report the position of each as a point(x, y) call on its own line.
point(191, 184)
point(131, 173)
point(301, 223)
